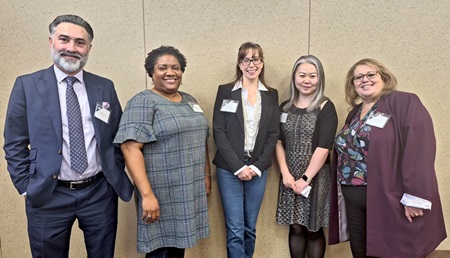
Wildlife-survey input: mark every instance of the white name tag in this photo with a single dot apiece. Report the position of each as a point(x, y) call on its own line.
point(229, 105)
point(283, 117)
point(102, 113)
point(378, 120)
point(196, 107)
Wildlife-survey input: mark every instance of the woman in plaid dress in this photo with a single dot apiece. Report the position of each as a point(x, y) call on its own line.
point(163, 136)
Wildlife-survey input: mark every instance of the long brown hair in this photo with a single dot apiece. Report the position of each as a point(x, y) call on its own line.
point(243, 50)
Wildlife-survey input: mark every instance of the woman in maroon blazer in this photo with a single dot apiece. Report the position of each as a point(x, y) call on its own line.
point(386, 190)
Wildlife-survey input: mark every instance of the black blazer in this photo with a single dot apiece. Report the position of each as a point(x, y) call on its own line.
point(229, 134)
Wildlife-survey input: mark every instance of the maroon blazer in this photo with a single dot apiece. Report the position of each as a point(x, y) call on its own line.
point(400, 160)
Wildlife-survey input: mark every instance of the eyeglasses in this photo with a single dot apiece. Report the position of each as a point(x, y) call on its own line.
point(360, 77)
point(247, 61)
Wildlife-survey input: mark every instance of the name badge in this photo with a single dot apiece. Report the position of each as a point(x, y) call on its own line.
point(102, 112)
point(196, 107)
point(378, 120)
point(229, 105)
point(283, 117)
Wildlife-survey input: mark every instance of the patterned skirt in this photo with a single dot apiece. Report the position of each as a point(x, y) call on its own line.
point(312, 211)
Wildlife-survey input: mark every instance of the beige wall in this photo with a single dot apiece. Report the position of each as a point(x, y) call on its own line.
point(410, 36)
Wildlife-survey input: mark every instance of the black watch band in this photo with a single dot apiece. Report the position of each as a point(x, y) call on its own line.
point(306, 178)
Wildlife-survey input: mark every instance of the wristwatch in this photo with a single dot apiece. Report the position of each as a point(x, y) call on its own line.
point(306, 178)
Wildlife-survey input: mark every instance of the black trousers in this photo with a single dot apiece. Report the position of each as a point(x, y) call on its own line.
point(95, 209)
point(356, 205)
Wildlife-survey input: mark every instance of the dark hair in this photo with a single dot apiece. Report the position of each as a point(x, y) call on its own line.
point(71, 18)
point(243, 50)
point(318, 96)
point(156, 53)
point(389, 80)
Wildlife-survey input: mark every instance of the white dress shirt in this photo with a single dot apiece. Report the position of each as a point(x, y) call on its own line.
point(252, 117)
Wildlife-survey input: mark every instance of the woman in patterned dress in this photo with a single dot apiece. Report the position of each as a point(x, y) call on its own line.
point(308, 126)
point(163, 136)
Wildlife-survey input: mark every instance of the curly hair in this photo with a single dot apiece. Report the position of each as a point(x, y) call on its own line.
point(156, 53)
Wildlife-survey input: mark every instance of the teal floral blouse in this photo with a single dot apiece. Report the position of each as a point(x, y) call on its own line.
point(351, 144)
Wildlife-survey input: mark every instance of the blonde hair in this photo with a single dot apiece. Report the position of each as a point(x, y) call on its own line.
point(389, 80)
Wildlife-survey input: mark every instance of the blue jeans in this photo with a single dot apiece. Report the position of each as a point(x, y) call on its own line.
point(241, 202)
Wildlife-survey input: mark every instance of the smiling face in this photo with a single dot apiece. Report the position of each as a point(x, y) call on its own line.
point(369, 90)
point(69, 47)
point(251, 71)
point(167, 74)
point(306, 79)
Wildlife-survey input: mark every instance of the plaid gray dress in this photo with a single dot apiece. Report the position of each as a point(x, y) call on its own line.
point(174, 138)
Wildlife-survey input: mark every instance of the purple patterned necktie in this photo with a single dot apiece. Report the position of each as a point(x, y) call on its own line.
point(78, 156)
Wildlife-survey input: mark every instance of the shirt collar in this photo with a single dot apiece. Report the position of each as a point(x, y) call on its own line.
point(60, 75)
point(238, 85)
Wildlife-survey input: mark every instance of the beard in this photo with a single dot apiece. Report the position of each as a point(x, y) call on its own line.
point(69, 66)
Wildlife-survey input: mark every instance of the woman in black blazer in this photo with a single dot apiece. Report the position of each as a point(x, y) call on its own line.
point(246, 127)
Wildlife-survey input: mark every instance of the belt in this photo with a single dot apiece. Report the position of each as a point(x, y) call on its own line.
point(80, 184)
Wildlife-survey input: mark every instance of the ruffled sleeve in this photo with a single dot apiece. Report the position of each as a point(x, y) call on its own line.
point(137, 120)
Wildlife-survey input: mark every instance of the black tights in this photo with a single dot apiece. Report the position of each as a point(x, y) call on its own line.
point(166, 252)
point(302, 242)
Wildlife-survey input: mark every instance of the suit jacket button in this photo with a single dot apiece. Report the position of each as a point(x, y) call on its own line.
point(54, 177)
point(59, 152)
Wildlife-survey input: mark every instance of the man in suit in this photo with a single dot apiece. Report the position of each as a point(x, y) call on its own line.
point(59, 131)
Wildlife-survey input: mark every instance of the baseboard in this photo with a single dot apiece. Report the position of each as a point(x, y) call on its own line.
point(440, 254)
